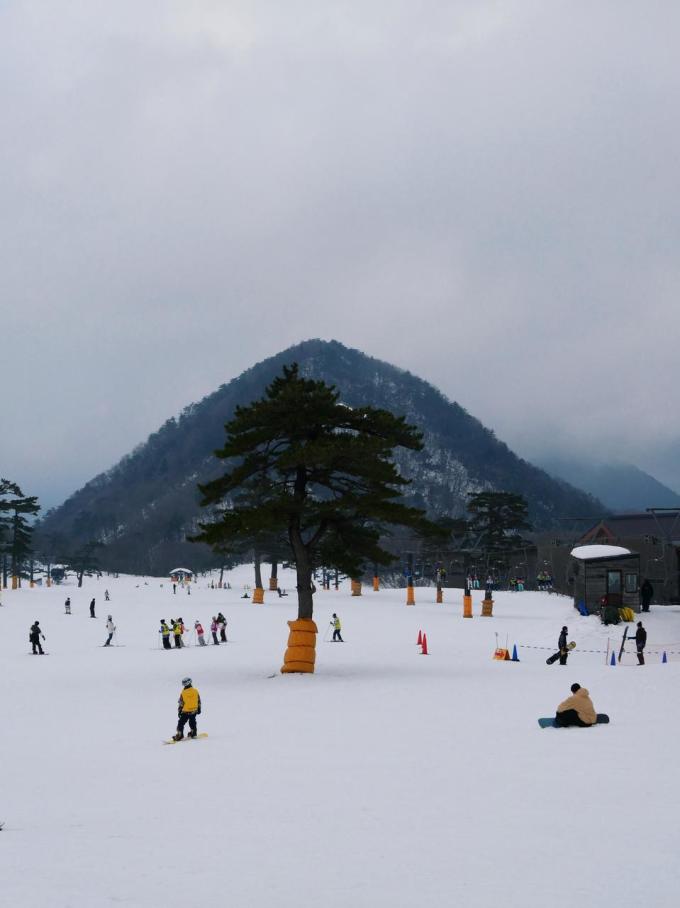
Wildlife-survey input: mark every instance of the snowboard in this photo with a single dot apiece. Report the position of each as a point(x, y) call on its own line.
point(602, 719)
point(556, 656)
point(202, 734)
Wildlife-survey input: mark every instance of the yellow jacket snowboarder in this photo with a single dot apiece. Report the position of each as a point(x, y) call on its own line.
point(189, 704)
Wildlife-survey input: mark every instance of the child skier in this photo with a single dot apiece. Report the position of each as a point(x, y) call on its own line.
point(110, 630)
point(198, 627)
point(189, 704)
point(165, 634)
point(336, 629)
point(177, 631)
point(213, 631)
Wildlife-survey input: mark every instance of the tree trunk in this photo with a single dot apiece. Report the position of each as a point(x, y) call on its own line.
point(221, 577)
point(303, 569)
point(258, 571)
point(80, 578)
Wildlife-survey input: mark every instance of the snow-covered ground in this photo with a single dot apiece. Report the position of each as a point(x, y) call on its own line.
point(388, 778)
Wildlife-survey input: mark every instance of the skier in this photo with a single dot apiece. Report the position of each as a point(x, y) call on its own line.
point(222, 626)
point(640, 642)
point(198, 627)
point(336, 629)
point(34, 637)
point(174, 588)
point(110, 630)
point(92, 614)
point(576, 710)
point(213, 631)
point(562, 647)
point(189, 704)
point(106, 595)
point(67, 606)
point(646, 594)
point(177, 631)
point(165, 633)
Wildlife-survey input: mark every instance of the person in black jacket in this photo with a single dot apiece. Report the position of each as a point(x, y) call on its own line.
point(640, 642)
point(34, 637)
point(646, 594)
point(562, 647)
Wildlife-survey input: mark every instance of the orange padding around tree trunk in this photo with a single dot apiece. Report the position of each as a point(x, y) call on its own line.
point(301, 652)
point(273, 583)
point(356, 587)
point(258, 595)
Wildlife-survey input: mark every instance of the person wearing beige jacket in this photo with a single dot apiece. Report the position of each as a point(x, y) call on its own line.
point(576, 710)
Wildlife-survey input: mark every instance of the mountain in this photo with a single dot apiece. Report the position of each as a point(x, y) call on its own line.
point(620, 486)
point(143, 508)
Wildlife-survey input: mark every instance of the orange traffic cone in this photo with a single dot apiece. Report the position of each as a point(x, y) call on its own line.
point(419, 641)
point(424, 645)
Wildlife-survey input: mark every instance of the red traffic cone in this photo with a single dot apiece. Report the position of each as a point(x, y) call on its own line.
point(424, 645)
point(420, 638)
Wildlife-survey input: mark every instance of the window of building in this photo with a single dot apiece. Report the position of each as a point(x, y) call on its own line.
point(631, 583)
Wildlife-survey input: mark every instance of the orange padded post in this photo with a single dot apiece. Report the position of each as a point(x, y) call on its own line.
point(258, 596)
point(467, 606)
point(410, 596)
point(300, 655)
point(356, 587)
point(376, 584)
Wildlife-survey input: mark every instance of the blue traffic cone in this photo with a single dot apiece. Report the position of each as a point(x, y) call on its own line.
point(515, 657)
point(612, 661)
point(664, 658)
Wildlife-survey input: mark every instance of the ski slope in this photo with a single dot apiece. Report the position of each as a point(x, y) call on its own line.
point(388, 778)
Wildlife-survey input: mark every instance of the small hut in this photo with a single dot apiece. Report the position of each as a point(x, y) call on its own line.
point(605, 570)
point(181, 575)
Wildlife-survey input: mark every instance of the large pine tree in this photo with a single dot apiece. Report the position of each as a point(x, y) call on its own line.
point(302, 463)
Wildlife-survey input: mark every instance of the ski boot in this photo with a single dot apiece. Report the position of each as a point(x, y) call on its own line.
point(178, 736)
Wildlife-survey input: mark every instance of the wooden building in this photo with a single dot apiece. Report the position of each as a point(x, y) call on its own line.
point(655, 536)
point(605, 570)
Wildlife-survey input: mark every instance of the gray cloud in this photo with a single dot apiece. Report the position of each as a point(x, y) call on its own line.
point(483, 193)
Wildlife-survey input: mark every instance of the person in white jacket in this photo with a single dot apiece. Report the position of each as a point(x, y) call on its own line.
point(110, 630)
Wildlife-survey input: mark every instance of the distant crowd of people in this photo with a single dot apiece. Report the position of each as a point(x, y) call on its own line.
point(176, 629)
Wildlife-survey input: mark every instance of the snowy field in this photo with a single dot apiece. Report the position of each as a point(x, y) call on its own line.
point(388, 778)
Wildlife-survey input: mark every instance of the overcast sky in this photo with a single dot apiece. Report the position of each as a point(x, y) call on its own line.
point(484, 193)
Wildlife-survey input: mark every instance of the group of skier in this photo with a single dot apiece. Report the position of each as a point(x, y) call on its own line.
point(177, 628)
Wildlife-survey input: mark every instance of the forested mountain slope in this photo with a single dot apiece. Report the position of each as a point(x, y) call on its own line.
point(143, 508)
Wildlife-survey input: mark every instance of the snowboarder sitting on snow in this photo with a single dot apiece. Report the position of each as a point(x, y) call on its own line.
point(576, 710)
point(640, 642)
point(562, 646)
point(110, 630)
point(336, 628)
point(34, 637)
point(189, 704)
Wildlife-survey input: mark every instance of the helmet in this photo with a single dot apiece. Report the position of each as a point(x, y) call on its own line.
point(186, 682)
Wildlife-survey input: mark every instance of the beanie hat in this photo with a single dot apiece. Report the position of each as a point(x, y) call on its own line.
point(575, 687)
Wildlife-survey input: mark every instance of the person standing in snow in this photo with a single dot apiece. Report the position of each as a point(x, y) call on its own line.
point(222, 627)
point(562, 646)
point(67, 606)
point(646, 594)
point(198, 627)
point(106, 595)
point(110, 630)
point(640, 642)
point(189, 704)
point(165, 634)
point(335, 621)
point(213, 631)
point(34, 636)
point(92, 614)
point(177, 631)
point(576, 710)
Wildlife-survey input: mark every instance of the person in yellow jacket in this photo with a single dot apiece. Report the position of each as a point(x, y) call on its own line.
point(335, 621)
point(189, 704)
point(576, 710)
